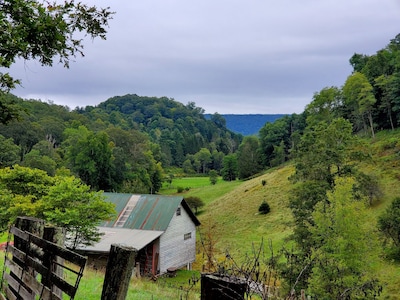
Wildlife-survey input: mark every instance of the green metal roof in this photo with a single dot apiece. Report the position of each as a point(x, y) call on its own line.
point(151, 212)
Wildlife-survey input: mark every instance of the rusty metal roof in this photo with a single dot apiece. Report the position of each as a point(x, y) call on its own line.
point(150, 212)
point(134, 238)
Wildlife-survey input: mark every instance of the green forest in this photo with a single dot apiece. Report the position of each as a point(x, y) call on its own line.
point(56, 161)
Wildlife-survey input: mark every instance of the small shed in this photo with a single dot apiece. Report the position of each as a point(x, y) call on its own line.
point(161, 228)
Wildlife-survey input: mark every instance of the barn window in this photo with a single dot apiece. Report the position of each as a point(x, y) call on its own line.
point(187, 236)
point(178, 211)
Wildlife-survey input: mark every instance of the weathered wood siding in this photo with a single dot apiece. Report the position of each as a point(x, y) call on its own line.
point(175, 251)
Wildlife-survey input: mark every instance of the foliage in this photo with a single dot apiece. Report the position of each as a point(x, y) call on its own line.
point(279, 138)
point(43, 31)
point(180, 130)
point(389, 225)
point(325, 106)
point(264, 208)
point(61, 200)
point(70, 204)
point(344, 248)
point(9, 152)
point(90, 155)
point(230, 169)
point(360, 100)
point(324, 151)
point(195, 203)
point(213, 176)
point(248, 157)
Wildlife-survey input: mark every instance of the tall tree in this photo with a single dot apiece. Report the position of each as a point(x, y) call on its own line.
point(271, 135)
point(325, 106)
point(204, 157)
point(90, 157)
point(248, 156)
point(345, 248)
point(72, 205)
point(9, 152)
point(230, 169)
point(359, 100)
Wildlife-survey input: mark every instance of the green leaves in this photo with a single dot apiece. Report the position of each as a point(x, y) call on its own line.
point(62, 200)
point(33, 30)
point(345, 244)
point(389, 225)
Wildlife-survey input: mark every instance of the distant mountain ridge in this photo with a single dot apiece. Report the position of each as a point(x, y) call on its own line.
point(247, 124)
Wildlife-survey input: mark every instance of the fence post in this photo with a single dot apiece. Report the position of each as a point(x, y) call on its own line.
point(31, 225)
point(121, 261)
point(56, 236)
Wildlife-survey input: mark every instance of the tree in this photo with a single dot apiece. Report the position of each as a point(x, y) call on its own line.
point(213, 176)
point(324, 151)
point(9, 152)
point(345, 248)
point(389, 225)
point(383, 82)
point(230, 169)
point(249, 159)
point(72, 205)
point(194, 203)
point(325, 106)
point(43, 162)
point(43, 31)
point(271, 135)
point(34, 30)
point(62, 200)
point(359, 100)
point(204, 157)
point(358, 61)
point(90, 157)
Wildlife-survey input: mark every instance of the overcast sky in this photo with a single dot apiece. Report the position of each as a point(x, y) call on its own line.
point(227, 56)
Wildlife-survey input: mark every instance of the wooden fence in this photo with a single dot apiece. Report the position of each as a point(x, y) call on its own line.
point(34, 265)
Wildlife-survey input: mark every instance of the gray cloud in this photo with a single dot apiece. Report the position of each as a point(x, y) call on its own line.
point(228, 56)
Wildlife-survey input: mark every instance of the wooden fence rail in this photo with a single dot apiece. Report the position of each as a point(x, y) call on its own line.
point(35, 269)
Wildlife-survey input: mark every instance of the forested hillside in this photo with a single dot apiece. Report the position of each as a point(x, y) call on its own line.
point(123, 144)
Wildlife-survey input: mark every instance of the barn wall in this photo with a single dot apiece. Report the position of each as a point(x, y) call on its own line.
point(175, 251)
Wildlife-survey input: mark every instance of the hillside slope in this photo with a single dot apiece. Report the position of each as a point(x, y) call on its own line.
point(234, 222)
point(236, 219)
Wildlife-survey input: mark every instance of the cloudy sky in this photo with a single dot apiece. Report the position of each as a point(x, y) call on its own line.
point(227, 56)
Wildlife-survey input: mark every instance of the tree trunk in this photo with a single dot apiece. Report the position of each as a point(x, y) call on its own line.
point(371, 124)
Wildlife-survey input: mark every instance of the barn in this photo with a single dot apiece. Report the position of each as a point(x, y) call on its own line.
point(161, 228)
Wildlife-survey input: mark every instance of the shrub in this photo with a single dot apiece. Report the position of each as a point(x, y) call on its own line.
point(263, 182)
point(179, 189)
point(264, 208)
point(194, 202)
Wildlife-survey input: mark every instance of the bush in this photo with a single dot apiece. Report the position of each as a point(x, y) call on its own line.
point(264, 208)
point(179, 189)
point(263, 182)
point(194, 203)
